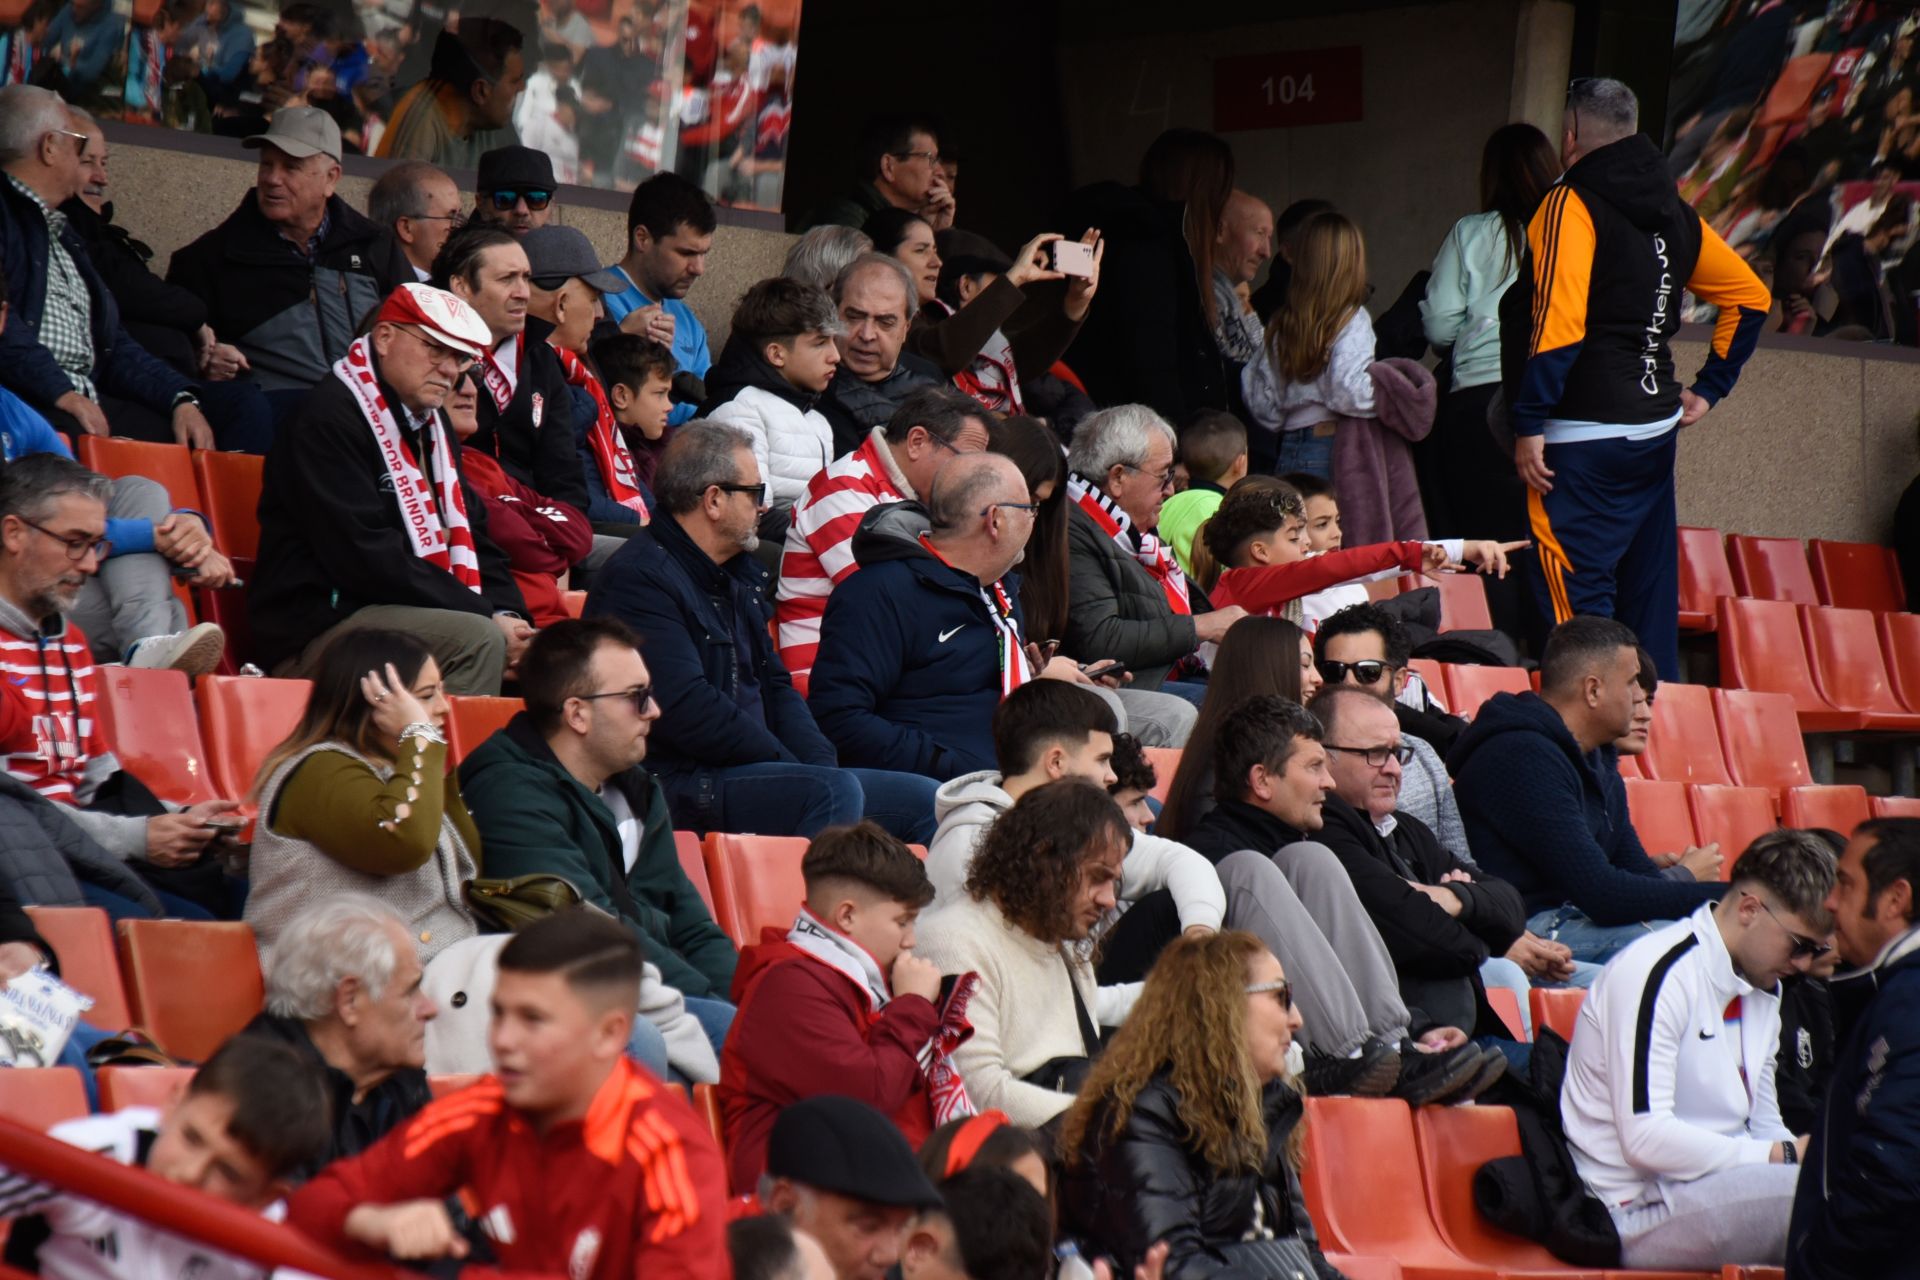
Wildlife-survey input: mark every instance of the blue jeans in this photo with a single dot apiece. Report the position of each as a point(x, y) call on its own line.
point(714, 1017)
point(74, 1054)
point(1590, 942)
point(648, 1047)
point(779, 799)
point(1518, 1053)
point(1192, 690)
point(119, 907)
point(1302, 450)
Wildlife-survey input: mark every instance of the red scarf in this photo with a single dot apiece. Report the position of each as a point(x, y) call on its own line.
point(499, 386)
point(1014, 670)
point(991, 378)
point(610, 452)
point(1152, 553)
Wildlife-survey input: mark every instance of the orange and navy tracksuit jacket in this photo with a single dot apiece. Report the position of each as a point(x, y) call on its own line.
point(1613, 245)
point(637, 1189)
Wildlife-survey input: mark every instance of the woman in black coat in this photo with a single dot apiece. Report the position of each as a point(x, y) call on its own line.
point(1182, 1133)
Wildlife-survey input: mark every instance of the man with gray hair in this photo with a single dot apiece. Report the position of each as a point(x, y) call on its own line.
point(735, 747)
point(1594, 413)
point(343, 989)
point(877, 299)
point(820, 255)
point(420, 205)
point(1127, 595)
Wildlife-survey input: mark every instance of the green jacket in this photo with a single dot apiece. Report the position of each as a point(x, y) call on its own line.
point(535, 817)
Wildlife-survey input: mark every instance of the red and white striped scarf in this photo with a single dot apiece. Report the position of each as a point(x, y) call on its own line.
point(991, 378)
point(499, 385)
point(1153, 554)
point(448, 543)
point(1014, 670)
point(610, 452)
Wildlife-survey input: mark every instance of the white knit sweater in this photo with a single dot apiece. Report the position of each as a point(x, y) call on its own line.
point(1022, 1014)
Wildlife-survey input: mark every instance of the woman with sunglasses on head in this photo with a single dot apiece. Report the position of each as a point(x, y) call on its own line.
point(1184, 1132)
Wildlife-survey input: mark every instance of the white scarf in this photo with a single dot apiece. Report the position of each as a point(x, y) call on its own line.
point(837, 950)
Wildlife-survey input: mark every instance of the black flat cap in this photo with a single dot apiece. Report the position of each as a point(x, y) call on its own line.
point(836, 1144)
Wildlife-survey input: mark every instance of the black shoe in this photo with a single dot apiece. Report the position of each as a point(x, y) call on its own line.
point(1493, 1065)
point(1368, 1076)
point(1426, 1078)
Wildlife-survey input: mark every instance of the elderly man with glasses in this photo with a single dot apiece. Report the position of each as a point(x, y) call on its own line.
point(900, 156)
point(1128, 597)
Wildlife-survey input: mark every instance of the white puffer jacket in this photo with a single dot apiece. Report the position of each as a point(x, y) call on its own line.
point(790, 445)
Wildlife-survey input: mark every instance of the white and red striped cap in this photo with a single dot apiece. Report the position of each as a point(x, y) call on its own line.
point(443, 317)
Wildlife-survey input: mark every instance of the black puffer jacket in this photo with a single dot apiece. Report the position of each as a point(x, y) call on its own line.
point(1126, 1193)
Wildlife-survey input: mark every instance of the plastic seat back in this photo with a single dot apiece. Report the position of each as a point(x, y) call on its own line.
point(1761, 648)
point(141, 1086)
point(242, 719)
point(147, 717)
point(1857, 575)
point(82, 937)
point(1705, 575)
point(1433, 674)
point(1894, 807)
point(1683, 744)
point(474, 718)
point(1771, 569)
point(1760, 737)
point(1165, 762)
point(756, 883)
point(693, 861)
point(1900, 646)
point(171, 465)
point(1732, 817)
point(230, 485)
point(42, 1097)
point(1835, 808)
point(1506, 1003)
point(1470, 686)
point(1463, 599)
point(1629, 766)
point(1843, 650)
point(1557, 1008)
point(1384, 1212)
point(1453, 1143)
point(1660, 815)
point(192, 983)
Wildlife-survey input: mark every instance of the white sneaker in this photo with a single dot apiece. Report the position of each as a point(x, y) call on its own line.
point(195, 651)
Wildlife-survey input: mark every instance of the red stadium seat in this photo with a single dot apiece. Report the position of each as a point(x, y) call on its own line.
point(169, 464)
point(1557, 1008)
point(706, 1103)
point(229, 485)
point(1383, 1213)
point(1469, 686)
point(1463, 599)
point(1356, 1267)
point(242, 719)
point(756, 883)
point(1660, 815)
point(1760, 737)
point(1433, 674)
point(1836, 808)
point(573, 602)
point(42, 1097)
point(142, 1086)
point(1857, 575)
point(474, 719)
point(1893, 807)
point(1629, 766)
point(1900, 646)
point(82, 939)
point(1683, 744)
point(1771, 569)
point(1761, 647)
point(1732, 817)
point(1507, 1004)
point(693, 862)
point(1704, 577)
point(192, 983)
point(1843, 652)
point(1165, 760)
point(1453, 1143)
point(147, 717)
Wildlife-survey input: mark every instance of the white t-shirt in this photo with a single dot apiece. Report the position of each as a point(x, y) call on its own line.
point(616, 802)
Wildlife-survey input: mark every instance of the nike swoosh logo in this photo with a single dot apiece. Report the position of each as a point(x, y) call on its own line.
point(1705, 1036)
point(948, 635)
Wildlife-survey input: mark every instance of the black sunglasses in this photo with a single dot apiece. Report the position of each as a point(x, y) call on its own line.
point(638, 697)
point(1366, 671)
point(758, 491)
point(1802, 945)
point(536, 200)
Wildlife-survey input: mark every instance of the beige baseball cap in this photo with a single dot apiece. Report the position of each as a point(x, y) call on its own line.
point(300, 132)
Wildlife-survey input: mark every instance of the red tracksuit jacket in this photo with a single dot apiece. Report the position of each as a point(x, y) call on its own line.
point(1263, 589)
point(636, 1189)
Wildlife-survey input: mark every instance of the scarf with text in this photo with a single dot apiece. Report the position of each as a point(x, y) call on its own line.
point(499, 385)
point(1014, 670)
point(991, 378)
point(610, 452)
point(437, 527)
point(946, 1090)
point(1153, 554)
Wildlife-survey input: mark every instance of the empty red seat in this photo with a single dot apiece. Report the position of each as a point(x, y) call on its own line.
point(148, 720)
point(1383, 1213)
point(141, 1086)
point(1843, 652)
point(1900, 646)
point(41, 1097)
point(474, 718)
point(1683, 744)
point(192, 983)
point(82, 939)
point(229, 485)
point(1469, 686)
point(1760, 737)
point(1557, 1008)
point(1463, 599)
point(1771, 569)
point(1894, 807)
point(1704, 577)
point(1629, 766)
point(242, 719)
point(1857, 575)
point(1762, 647)
point(1660, 815)
point(693, 862)
point(171, 465)
point(1453, 1143)
point(1836, 808)
point(1732, 817)
point(756, 883)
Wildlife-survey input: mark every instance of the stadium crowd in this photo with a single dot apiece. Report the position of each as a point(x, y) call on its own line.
point(921, 566)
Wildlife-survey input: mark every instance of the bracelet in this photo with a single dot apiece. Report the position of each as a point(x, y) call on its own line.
point(421, 729)
point(1789, 1153)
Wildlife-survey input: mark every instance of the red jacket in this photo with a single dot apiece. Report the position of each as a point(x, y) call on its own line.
point(1262, 589)
point(635, 1190)
point(540, 536)
point(803, 1029)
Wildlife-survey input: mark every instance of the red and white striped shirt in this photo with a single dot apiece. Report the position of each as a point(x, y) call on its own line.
point(819, 551)
point(55, 676)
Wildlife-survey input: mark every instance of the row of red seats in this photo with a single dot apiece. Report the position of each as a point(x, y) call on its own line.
point(1555, 1007)
point(1846, 575)
point(1846, 670)
point(1674, 815)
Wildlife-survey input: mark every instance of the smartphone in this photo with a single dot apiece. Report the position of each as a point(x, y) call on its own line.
point(222, 824)
point(1070, 257)
point(1103, 670)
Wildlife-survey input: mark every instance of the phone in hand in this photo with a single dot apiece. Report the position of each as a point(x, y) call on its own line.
point(1070, 258)
point(222, 824)
point(1100, 671)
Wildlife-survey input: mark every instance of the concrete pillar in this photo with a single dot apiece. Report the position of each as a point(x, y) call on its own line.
point(1542, 57)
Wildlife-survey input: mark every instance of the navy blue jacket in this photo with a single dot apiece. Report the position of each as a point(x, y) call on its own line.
point(685, 607)
point(1853, 1216)
point(908, 674)
point(121, 366)
point(1540, 815)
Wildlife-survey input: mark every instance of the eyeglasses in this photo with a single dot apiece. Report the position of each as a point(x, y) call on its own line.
point(1366, 671)
point(80, 139)
point(1281, 991)
point(505, 200)
point(932, 157)
point(1028, 507)
point(1165, 478)
point(758, 491)
point(437, 352)
point(454, 220)
point(639, 697)
point(77, 548)
point(1376, 757)
point(1802, 945)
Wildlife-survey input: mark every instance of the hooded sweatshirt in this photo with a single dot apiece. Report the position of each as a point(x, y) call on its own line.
point(1539, 817)
point(966, 806)
point(791, 440)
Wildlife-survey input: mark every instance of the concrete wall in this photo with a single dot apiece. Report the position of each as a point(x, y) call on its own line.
point(183, 193)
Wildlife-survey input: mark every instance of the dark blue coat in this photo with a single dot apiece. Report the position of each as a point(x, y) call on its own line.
point(121, 366)
point(1853, 1217)
point(685, 608)
point(908, 674)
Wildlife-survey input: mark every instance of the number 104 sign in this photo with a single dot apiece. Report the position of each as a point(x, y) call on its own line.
point(1285, 90)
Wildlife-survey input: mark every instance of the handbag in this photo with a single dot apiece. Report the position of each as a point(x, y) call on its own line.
point(1274, 1257)
point(1066, 1074)
point(510, 905)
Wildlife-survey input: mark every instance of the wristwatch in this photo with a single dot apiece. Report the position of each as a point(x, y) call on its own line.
point(185, 397)
point(1789, 1152)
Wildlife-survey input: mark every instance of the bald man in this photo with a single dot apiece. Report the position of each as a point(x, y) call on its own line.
point(1240, 249)
point(918, 648)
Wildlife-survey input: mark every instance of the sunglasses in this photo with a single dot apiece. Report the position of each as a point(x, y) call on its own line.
point(638, 697)
point(1802, 945)
point(1366, 671)
point(505, 200)
point(1281, 991)
point(758, 492)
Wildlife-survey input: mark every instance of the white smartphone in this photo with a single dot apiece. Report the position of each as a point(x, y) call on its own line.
point(1072, 258)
